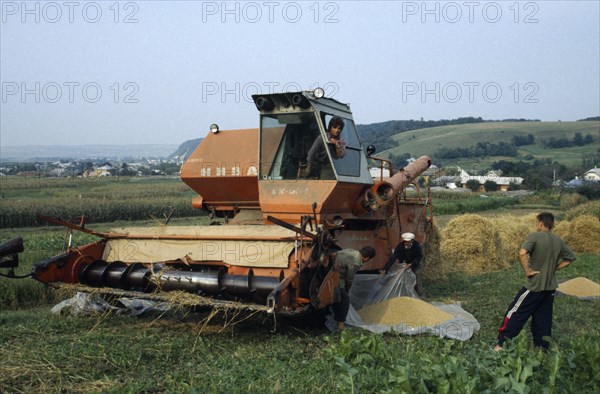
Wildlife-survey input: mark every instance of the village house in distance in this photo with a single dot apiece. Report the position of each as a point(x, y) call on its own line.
point(503, 182)
point(592, 175)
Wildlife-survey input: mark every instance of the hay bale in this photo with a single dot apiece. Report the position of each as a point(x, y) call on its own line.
point(589, 208)
point(580, 287)
point(434, 266)
point(581, 233)
point(471, 244)
point(512, 231)
point(529, 220)
point(561, 229)
point(571, 200)
point(403, 310)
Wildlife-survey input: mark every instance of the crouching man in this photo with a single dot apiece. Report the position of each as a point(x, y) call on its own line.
point(409, 252)
point(349, 262)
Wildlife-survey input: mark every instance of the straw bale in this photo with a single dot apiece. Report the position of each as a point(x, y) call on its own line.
point(580, 287)
point(589, 208)
point(581, 233)
point(571, 200)
point(434, 266)
point(403, 310)
point(471, 244)
point(512, 231)
point(561, 229)
point(528, 220)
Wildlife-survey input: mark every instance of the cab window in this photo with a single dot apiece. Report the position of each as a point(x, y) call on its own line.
point(285, 142)
point(349, 164)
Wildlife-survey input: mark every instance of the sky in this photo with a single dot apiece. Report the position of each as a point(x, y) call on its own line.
point(160, 72)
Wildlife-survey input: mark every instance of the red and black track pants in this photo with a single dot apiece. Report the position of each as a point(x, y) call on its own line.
point(538, 305)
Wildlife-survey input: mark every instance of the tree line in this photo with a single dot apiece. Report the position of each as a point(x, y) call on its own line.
point(563, 142)
point(482, 149)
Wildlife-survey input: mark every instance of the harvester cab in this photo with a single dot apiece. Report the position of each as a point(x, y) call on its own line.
point(293, 192)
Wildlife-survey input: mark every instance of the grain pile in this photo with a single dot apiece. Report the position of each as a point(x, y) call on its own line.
point(434, 267)
point(580, 287)
point(403, 310)
point(512, 231)
point(581, 233)
point(471, 244)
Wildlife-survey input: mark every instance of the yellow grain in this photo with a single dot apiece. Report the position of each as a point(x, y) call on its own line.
point(403, 310)
point(580, 287)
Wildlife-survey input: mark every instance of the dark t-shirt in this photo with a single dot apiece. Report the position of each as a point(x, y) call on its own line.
point(546, 250)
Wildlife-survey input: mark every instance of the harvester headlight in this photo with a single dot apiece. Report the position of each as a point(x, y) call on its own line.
point(264, 104)
point(337, 220)
point(214, 128)
point(319, 92)
point(300, 101)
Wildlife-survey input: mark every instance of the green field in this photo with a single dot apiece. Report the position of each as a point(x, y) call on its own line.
point(97, 199)
point(430, 140)
point(185, 351)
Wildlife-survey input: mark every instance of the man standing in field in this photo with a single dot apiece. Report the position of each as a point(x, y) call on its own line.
point(542, 254)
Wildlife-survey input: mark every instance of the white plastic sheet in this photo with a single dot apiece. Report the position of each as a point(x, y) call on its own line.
point(83, 304)
point(370, 289)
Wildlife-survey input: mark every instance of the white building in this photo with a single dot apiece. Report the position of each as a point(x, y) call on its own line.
point(376, 173)
point(503, 182)
point(592, 175)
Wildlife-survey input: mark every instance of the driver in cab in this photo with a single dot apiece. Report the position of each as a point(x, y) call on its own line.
point(317, 161)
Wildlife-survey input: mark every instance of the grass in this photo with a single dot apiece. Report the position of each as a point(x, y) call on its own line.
point(178, 352)
point(183, 352)
point(452, 203)
point(121, 354)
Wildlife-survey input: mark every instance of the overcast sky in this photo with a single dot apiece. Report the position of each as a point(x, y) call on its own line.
point(158, 72)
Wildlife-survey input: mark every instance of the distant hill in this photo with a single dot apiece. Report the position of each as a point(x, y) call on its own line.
point(588, 119)
point(80, 152)
point(430, 141)
point(379, 134)
point(185, 149)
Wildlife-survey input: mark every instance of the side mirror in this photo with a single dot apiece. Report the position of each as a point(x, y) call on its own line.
point(370, 150)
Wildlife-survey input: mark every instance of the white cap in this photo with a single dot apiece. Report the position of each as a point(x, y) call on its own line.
point(408, 236)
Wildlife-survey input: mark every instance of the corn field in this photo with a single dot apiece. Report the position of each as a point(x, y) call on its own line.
point(98, 200)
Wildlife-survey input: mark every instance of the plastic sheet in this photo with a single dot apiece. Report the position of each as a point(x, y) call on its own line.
point(370, 289)
point(85, 304)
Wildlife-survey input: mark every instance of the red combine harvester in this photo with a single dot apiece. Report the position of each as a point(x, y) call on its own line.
point(281, 219)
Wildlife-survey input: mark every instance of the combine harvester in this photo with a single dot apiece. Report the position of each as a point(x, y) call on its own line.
point(281, 221)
